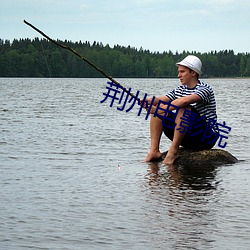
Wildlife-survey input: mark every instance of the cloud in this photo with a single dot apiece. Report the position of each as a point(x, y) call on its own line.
point(222, 2)
point(225, 5)
point(149, 2)
point(84, 6)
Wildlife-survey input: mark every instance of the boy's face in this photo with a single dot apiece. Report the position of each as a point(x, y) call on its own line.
point(185, 75)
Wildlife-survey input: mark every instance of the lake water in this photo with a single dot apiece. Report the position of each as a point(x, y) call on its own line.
point(72, 174)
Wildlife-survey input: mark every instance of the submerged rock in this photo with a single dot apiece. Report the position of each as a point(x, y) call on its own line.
point(204, 157)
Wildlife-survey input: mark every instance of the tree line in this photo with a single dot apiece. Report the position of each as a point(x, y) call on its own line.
point(41, 58)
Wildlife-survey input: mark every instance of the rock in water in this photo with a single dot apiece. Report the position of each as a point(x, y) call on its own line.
point(204, 157)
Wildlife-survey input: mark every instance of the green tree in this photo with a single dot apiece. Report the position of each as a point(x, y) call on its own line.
point(247, 69)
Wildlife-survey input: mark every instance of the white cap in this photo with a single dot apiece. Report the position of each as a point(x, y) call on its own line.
point(191, 62)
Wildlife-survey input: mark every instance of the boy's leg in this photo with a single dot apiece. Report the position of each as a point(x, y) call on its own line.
point(173, 151)
point(156, 129)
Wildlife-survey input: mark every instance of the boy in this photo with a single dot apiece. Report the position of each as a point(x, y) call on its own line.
point(194, 104)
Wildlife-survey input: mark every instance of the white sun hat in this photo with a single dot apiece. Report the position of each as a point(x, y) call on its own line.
point(191, 62)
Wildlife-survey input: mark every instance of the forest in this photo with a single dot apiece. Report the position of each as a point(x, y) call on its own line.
point(41, 58)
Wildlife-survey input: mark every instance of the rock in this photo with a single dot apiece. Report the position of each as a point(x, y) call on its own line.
point(204, 157)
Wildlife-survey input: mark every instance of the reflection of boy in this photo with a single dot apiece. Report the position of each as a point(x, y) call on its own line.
point(194, 96)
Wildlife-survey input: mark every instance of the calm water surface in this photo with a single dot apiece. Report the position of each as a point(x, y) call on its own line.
point(72, 175)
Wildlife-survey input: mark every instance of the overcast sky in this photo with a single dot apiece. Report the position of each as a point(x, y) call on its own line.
point(157, 25)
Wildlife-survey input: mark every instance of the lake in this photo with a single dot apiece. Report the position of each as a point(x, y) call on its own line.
point(72, 173)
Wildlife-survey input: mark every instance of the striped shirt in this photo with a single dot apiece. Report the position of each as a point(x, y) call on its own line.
point(207, 106)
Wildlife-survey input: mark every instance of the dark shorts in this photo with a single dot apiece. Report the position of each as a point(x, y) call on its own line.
point(199, 137)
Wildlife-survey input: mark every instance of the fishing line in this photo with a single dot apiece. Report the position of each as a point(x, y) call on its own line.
point(45, 58)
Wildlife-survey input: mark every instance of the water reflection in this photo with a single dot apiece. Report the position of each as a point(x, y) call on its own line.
point(183, 197)
point(183, 177)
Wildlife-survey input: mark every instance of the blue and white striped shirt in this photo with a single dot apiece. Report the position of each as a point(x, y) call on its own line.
point(207, 106)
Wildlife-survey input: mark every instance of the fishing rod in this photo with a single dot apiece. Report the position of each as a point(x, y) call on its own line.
point(83, 58)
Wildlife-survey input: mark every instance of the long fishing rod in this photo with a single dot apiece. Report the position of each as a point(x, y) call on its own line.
point(82, 57)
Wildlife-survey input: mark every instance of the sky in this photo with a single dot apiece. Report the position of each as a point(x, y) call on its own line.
point(155, 25)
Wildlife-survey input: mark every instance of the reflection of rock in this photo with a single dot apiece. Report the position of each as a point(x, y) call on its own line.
point(204, 157)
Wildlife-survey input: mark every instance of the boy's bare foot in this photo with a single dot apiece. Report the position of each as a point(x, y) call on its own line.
point(171, 156)
point(153, 156)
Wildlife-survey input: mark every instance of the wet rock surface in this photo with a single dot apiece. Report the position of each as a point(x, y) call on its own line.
point(204, 157)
